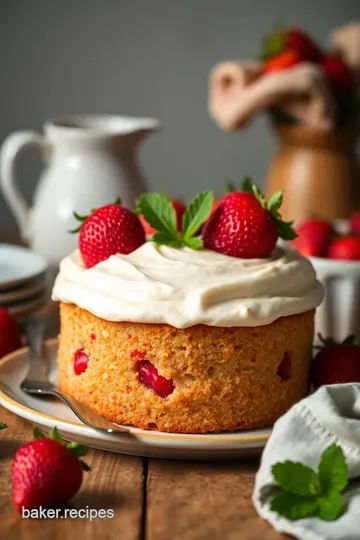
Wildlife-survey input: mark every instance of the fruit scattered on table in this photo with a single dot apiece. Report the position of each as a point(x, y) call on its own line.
point(245, 225)
point(317, 238)
point(106, 231)
point(46, 472)
point(336, 363)
point(10, 338)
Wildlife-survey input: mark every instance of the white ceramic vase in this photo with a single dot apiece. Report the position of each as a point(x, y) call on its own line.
point(89, 162)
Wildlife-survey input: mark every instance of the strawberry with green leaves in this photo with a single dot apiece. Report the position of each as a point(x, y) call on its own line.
point(106, 231)
point(303, 492)
point(245, 225)
point(160, 213)
point(46, 472)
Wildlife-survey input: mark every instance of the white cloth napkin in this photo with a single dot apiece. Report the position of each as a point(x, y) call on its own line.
point(330, 415)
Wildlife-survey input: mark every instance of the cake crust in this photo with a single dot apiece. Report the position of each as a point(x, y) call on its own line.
point(225, 378)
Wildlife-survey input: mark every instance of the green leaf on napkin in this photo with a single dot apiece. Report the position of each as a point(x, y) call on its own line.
point(303, 492)
point(3, 426)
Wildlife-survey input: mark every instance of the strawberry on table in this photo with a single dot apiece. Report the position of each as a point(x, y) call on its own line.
point(346, 248)
point(336, 363)
point(9, 333)
point(45, 472)
point(179, 208)
point(314, 238)
point(245, 225)
point(106, 231)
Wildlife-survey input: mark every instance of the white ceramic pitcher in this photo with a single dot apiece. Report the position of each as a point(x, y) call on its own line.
point(89, 162)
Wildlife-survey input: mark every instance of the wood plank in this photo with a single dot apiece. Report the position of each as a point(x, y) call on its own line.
point(203, 501)
point(114, 482)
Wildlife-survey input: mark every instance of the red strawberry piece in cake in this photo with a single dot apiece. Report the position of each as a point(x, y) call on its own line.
point(81, 361)
point(149, 376)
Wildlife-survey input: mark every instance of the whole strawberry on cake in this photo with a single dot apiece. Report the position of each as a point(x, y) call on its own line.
point(185, 332)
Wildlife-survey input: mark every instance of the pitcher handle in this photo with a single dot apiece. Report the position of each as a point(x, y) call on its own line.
point(10, 151)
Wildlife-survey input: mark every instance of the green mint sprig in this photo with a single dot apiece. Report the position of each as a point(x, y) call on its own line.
point(303, 492)
point(160, 214)
point(3, 426)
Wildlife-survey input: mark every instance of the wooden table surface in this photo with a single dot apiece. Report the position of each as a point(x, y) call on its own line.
point(152, 499)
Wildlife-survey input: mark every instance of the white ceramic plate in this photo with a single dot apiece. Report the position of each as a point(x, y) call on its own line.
point(19, 265)
point(48, 412)
point(22, 293)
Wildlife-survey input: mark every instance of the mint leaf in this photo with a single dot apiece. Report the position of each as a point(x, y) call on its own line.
point(3, 426)
point(293, 506)
point(158, 212)
point(296, 478)
point(79, 450)
point(194, 243)
point(333, 472)
point(331, 506)
point(167, 239)
point(196, 213)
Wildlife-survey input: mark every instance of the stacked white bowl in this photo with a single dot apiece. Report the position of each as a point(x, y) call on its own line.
point(23, 283)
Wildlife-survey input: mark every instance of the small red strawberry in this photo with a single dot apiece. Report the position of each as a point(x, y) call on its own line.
point(46, 472)
point(179, 209)
point(283, 60)
point(245, 225)
point(337, 72)
point(293, 39)
point(302, 43)
point(314, 238)
point(355, 223)
point(9, 333)
point(345, 248)
point(336, 363)
point(106, 231)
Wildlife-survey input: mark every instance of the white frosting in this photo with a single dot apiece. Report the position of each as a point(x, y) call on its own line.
point(182, 287)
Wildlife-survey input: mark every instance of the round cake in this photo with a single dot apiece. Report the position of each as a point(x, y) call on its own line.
point(179, 340)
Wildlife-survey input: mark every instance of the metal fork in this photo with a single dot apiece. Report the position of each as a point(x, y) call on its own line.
point(37, 382)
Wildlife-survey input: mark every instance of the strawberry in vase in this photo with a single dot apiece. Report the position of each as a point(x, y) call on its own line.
point(311, 94)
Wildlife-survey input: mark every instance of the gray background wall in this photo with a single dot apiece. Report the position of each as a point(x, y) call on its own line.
point(145, 57)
